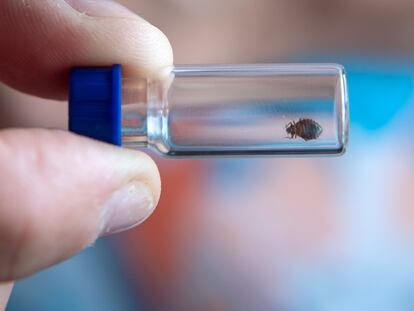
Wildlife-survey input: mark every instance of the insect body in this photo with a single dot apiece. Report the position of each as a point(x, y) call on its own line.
point(307, 129)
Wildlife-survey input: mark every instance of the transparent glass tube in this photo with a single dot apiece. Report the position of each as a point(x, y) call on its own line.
point(272, 109)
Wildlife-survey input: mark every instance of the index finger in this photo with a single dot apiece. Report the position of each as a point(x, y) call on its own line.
point(42, 39)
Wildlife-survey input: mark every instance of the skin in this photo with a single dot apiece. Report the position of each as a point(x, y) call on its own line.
point(54, 184)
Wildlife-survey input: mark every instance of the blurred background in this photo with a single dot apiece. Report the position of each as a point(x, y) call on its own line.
point(264, 234)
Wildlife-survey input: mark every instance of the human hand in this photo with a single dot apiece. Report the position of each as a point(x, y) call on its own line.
point(58, 191)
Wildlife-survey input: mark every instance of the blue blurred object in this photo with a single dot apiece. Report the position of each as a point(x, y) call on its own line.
point(376, 96)
point(92, 280)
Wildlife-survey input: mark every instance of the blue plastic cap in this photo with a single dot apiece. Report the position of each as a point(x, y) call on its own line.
point(95, 103)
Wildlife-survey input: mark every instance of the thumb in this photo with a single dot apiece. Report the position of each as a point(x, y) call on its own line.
point(59, 192)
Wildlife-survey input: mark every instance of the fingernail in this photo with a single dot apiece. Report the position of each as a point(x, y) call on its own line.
point(100, 8)
point(126, 208)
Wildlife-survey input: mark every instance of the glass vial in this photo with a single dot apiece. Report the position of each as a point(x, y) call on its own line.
point(272, 109)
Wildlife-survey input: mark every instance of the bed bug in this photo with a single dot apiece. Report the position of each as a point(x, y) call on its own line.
point(307, 129)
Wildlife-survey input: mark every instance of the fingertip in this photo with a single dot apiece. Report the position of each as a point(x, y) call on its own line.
point(141, 48)
point(47, 38)
point(148, 59)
